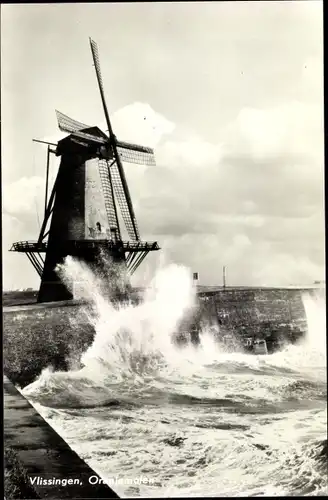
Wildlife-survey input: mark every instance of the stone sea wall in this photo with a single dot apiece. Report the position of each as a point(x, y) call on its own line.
point(252, 307)
point(35, 337)
point(276, 315)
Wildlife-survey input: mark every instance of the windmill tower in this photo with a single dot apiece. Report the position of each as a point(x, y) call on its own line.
point(81, 213)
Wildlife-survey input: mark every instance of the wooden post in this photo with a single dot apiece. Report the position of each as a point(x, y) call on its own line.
point(47, 179)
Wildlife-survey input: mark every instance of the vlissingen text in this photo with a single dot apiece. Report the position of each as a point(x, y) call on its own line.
point(53, 481)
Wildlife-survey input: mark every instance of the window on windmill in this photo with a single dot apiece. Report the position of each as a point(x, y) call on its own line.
point(99, 232)
point(96, 232)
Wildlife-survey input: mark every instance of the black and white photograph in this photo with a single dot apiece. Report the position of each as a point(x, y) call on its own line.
point(163, 249)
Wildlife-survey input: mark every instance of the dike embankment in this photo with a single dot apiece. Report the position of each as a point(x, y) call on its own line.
point(38, 462)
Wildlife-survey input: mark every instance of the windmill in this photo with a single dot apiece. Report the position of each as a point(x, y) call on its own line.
point(81, 216)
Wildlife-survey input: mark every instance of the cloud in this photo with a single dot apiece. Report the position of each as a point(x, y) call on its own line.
point(189, 154)
point(252, 201)
point(139, 123)
point(287, 131)
point(17, 271)
point(24, 196)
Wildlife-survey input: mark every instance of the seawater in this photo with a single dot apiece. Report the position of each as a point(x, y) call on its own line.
point(196, 421)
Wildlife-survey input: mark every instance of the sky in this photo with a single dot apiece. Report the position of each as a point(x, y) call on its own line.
point(229, 94)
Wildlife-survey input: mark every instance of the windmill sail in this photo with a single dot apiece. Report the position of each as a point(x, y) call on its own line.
point(112, 139)
point(130, 224)
point(107, 188)
point(114, 181)
point(67, 124)
point(132, 153)
point(95, 55)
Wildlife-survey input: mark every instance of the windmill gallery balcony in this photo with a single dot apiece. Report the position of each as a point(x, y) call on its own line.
point(133, 253)
point(127, 246)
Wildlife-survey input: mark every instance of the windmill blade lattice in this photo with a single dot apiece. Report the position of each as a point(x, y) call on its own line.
point(95, 54)
point(67, 124)
point(121, 198)
point(133, 153)
point(107, 188)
